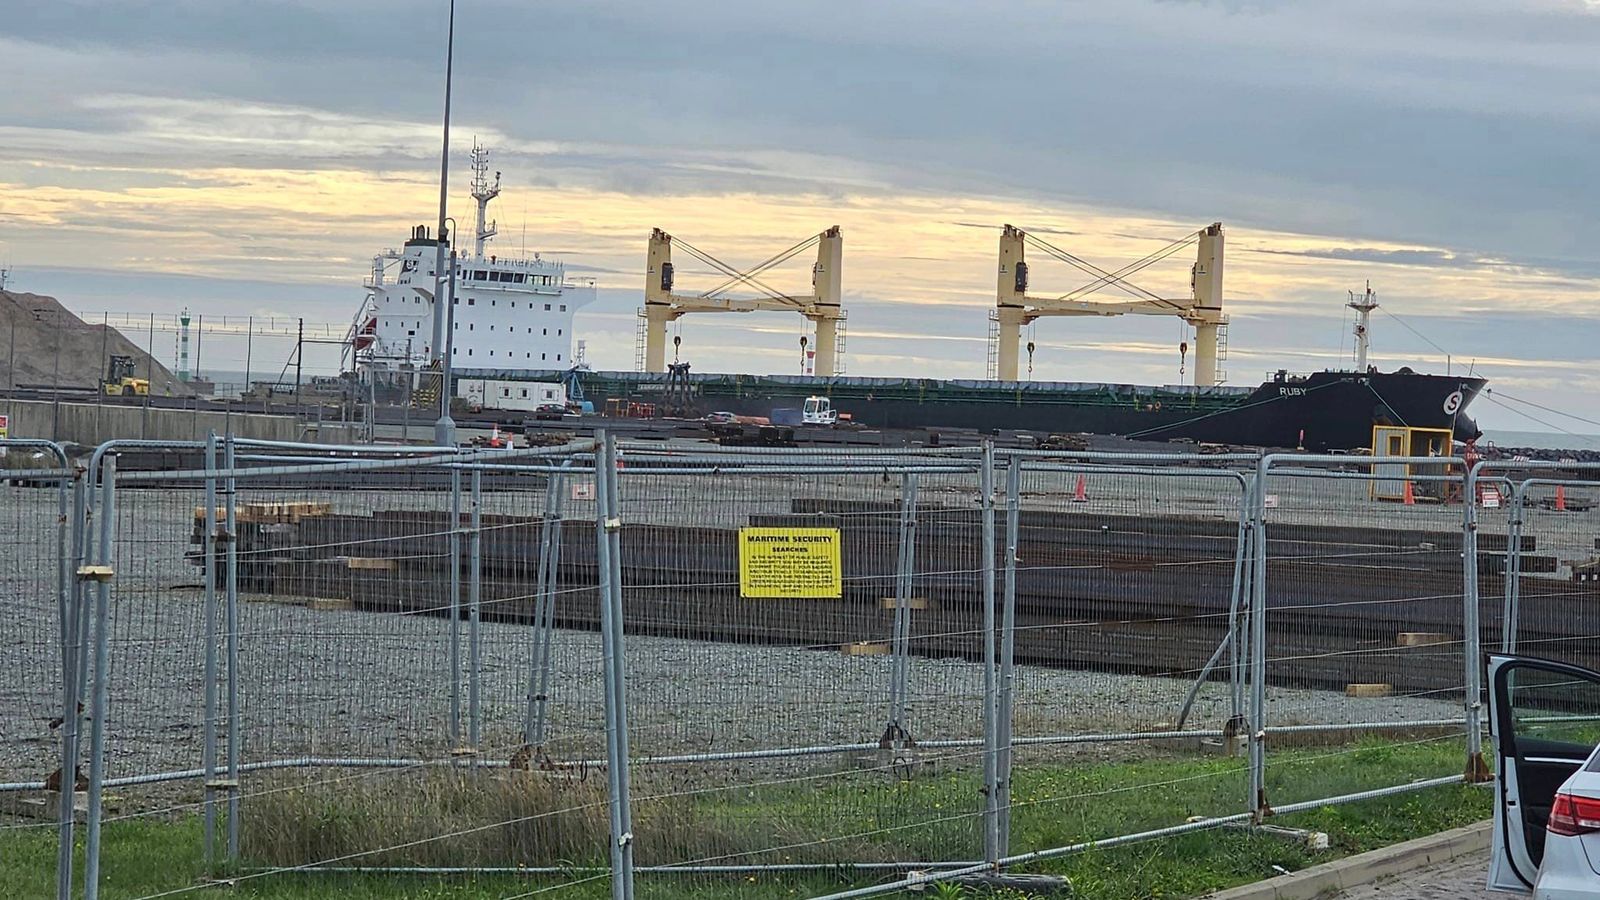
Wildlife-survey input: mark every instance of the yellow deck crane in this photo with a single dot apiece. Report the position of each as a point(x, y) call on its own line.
point(822, 308)
point(1014, 307)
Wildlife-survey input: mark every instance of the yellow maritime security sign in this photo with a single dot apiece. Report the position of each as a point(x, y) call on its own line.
point(784, 563)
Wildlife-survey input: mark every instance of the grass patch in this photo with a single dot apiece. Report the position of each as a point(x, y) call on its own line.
point(550, 821)
point(852, 815)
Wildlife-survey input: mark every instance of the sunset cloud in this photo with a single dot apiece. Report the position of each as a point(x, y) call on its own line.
point(250, 158)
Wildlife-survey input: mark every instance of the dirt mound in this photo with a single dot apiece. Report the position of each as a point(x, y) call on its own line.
point(45, 334)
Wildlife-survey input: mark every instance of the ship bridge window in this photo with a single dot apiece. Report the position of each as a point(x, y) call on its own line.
point(494, 276)
point(519, 277)
point(480, 275)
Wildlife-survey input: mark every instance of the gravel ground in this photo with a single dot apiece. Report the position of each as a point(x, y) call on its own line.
point(335, 683)
point(342, 683)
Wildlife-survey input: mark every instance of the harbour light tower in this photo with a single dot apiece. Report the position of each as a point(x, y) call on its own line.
point(183, 345)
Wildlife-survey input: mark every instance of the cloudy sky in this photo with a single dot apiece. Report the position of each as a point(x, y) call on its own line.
point(249, 158)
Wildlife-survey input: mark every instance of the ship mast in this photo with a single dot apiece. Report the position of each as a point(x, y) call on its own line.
point(1363, 304)
point(483, 192)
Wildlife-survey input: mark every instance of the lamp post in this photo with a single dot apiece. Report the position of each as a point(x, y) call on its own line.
point(444, 430)
point(443, 437)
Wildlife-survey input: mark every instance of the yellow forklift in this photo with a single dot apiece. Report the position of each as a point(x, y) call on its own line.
point(120, 381)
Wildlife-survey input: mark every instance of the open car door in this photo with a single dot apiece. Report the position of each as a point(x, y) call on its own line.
point(1544, 718)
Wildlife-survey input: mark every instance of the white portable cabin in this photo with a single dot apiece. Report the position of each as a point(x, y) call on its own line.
point(523, 396)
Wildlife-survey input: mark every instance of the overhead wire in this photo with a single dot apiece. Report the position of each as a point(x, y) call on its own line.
point(1566, 415)
point(1407, 326)
point(1526, 415)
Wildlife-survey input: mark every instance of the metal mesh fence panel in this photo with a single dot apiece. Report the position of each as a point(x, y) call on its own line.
point(801, 739)
point(34, 508)
point(1123, 701)
point(350, 683)
point(1364, 669)
point(1553, 582)
point(414, 594)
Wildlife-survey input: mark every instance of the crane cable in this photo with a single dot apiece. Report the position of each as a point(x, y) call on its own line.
point(748, 278)
point(715, 263)
point(1136, 266)
point(1084, 266)
point(735, 274)
point(769, 262)
point(1104, 278)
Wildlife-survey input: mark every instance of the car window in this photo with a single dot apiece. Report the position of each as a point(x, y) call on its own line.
point(1555, 707)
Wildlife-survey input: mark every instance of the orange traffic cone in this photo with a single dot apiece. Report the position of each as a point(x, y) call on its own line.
point(1561, 498)
point(1410, 498)
point(1080, 493)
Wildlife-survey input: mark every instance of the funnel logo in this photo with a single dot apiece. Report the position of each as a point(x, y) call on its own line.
point(1452, 403)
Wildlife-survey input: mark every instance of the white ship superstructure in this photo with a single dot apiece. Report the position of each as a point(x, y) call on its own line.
point(511, 313)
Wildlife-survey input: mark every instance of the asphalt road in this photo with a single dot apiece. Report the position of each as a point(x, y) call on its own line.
point(1461, 879)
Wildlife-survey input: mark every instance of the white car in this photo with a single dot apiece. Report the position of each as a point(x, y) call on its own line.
point(1544, 718)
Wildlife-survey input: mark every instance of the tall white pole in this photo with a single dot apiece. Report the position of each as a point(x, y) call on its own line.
point(444, 430)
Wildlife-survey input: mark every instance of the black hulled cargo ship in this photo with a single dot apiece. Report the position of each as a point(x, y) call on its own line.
point(1323, 411)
